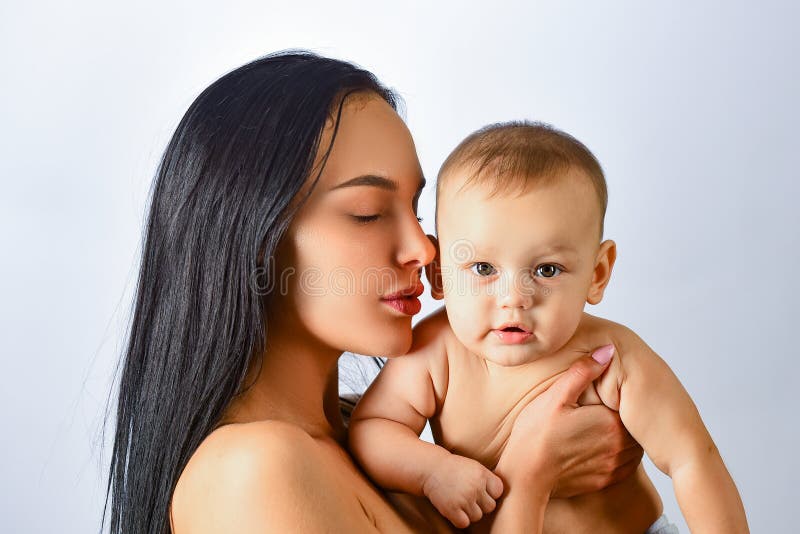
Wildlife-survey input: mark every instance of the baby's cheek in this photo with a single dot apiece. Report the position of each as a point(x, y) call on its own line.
point(464, 318)
point(559, 320)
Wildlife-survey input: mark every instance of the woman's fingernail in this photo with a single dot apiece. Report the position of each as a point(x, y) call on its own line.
point(603, 355)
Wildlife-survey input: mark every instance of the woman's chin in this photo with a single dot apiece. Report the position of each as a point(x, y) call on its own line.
point(389, 343)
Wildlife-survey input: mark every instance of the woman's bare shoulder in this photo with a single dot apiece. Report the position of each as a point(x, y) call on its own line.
point(247, 477)
point(236, 448)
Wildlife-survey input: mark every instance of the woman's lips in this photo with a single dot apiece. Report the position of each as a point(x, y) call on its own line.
point(407, 305)
point(406, 301)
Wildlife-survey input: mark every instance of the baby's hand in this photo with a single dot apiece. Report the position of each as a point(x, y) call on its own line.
point(462, 489)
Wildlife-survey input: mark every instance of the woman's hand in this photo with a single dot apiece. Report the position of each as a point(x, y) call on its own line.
point(559, 448)
point(600, 453)
point(578, 449)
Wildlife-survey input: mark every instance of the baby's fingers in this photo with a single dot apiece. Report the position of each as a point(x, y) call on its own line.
point(459, 518)
point(474, 512)
point(486, 502)
point(494, 486)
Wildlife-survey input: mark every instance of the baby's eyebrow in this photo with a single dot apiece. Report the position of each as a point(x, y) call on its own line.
point(489, 250)
point(560, 248)
point(369, 180)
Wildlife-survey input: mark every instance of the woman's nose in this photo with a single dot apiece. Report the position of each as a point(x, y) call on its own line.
point(416, 249)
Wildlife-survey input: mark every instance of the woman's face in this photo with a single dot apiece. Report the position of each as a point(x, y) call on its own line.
point(357, 240)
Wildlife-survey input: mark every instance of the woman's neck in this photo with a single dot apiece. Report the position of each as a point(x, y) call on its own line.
point(297, 383)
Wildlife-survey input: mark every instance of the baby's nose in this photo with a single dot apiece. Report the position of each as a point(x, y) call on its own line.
point(518, 294)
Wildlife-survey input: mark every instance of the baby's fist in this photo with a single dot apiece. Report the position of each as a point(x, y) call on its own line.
point(462, 489)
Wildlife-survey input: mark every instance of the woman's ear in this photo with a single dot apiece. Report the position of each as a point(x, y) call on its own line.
point(433, 272)
point(604, 263)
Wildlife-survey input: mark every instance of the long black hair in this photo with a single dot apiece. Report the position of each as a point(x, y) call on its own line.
point(221, 201)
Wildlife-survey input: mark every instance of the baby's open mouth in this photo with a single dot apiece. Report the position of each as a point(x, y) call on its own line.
point(513, 327)
point(513, 334)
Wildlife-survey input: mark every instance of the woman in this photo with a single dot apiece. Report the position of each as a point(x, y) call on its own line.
point(282, 232)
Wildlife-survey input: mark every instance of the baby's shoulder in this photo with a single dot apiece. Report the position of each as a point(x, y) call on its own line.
point(594, 332)
point(432, 344)
point(237, 463)
point(434, 328)
point(631, 354)
point(433, 338)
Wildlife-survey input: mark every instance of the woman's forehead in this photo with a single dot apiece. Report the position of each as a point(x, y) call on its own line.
point(371, 140)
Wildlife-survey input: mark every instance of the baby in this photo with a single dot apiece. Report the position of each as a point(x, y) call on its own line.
point(520, 209)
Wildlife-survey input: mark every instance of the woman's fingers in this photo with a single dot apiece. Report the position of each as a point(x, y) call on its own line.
point(597, 450)
point(626, 451)
point(586, 446)
point(580, 374)
point(630, 458)
point(633, 453)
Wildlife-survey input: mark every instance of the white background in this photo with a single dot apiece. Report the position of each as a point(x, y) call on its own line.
point(690, 106)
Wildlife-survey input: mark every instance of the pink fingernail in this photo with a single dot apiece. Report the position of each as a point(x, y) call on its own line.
point(604, 354)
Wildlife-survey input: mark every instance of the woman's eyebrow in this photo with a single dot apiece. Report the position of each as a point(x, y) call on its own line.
point(371, 180)
point(375, 181)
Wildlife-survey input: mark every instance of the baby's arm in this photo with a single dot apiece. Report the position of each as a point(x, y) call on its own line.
point(660, 415)
point(386, 423)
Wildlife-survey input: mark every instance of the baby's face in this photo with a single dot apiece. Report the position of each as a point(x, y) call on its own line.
point(517, 268)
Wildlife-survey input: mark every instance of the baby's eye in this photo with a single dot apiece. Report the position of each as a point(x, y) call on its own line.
point(483, 269)
point(548, 270)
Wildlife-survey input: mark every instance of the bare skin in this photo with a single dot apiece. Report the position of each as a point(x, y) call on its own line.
point(481, 403)
point(471, 375)
point(278, 461)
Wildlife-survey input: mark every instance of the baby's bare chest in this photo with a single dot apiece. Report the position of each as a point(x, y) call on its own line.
point(482, 403)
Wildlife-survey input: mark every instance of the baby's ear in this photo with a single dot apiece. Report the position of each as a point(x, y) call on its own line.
point(606, 256)
point(433, 272)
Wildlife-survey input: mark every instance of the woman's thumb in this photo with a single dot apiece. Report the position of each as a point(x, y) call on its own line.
point(583, 372)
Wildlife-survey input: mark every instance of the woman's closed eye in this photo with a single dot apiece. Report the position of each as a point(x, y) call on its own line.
point(364, 219)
